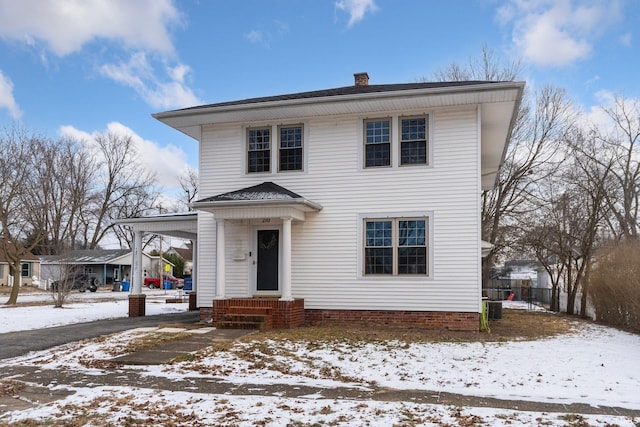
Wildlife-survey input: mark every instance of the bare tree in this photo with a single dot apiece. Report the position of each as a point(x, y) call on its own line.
point(486, 67)
point(568, 210)
point(64, 176)
point(621, 141)
point(531, 153)
point(122, 185)
point(189, 182)
point(18, 195)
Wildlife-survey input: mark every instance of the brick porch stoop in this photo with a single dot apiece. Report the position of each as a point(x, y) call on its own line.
point(257, 313)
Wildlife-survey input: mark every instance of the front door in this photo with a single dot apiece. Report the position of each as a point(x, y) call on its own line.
point(268, 260)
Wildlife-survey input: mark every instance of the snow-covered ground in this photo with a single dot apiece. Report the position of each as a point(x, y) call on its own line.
point(80, 307)
point(593, 364)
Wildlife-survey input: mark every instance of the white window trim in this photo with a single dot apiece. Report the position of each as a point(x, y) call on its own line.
point(304, 146)
point(363, 143)
point(245, 151)
point(428, 215)
point(398, 140)
point(395, 140)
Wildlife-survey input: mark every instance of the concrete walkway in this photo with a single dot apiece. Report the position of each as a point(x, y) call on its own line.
point(39, 380)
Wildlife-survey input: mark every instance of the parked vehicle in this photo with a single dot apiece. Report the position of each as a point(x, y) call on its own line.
point(81, 282)
point(154, 282)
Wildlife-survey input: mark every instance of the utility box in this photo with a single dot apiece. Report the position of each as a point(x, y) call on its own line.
point(495, 310)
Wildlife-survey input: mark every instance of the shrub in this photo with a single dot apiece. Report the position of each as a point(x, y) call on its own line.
point(615, 286)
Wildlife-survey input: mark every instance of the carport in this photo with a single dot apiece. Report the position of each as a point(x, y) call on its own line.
point(180, 225)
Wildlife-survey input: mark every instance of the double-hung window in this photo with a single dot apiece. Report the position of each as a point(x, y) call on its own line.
point(259, 150)
point(396, 246)
point(413, 140)
point(377, 143)
point(26, 269)
point(291, 148)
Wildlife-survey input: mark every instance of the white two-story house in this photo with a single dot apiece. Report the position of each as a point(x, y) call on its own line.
point(356, 204)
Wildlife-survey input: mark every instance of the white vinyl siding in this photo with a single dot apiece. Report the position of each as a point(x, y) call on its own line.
point(326, 248)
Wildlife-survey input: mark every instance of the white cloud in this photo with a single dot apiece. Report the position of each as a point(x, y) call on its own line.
point(167, 162)
point(356, 9)
point(557, 33)
point(6, 97)
point(626, 39)
point(65, 26)
point(140, 75)
point(607, 100)
point(257, 37)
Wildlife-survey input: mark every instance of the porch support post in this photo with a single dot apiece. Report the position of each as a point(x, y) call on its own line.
point(220, 258)
point(136, 297)
point(286, 260)
point(194, 265)
point(136, 279)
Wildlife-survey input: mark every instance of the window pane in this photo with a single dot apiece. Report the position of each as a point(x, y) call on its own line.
point(378, 261)
point(377, 131)
point(259, 139)
point(259, 161)
point(414, 129)
point(378, 155)
point(412, 233)
point(291, 159)
point(412, 260)
point(379, 233)
point(291, 137)
point(413, 153)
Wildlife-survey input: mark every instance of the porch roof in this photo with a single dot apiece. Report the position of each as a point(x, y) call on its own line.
point(263, 200)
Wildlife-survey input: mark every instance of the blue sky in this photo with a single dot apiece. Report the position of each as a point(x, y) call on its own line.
point(75, 68)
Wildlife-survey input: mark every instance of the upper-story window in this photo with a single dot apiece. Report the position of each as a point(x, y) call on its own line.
point(377, 143)
point(291, 148)
point(413, 141)
point(259, 150)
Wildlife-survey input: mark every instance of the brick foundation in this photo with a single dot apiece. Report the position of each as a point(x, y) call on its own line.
point(291, 314)
point(137, 305)
point(454, 321)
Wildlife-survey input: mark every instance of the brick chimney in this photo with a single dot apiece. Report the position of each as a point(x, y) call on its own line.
point(361, 79)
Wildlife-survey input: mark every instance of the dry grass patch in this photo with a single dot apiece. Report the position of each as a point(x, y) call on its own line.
point(514, 325)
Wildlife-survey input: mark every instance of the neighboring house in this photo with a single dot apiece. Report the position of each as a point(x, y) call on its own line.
point(358, 204)
point(186, 254)
point(106, 265)
point(29, 275)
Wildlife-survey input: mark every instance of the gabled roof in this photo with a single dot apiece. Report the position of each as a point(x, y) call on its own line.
point(86, 256)
point(184, 253)
point(268, 195)
point(264, 191)
point(26, 257)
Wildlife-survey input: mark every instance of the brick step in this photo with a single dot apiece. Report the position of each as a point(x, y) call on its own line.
point(266, 311)
point(230, 324)
point(233, 317)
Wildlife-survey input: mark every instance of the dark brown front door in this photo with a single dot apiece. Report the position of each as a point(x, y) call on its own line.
point(267, 274)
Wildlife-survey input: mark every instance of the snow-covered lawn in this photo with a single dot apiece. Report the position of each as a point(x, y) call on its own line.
point(592, 364)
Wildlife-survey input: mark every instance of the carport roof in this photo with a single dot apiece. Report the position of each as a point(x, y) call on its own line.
point(182, 225)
